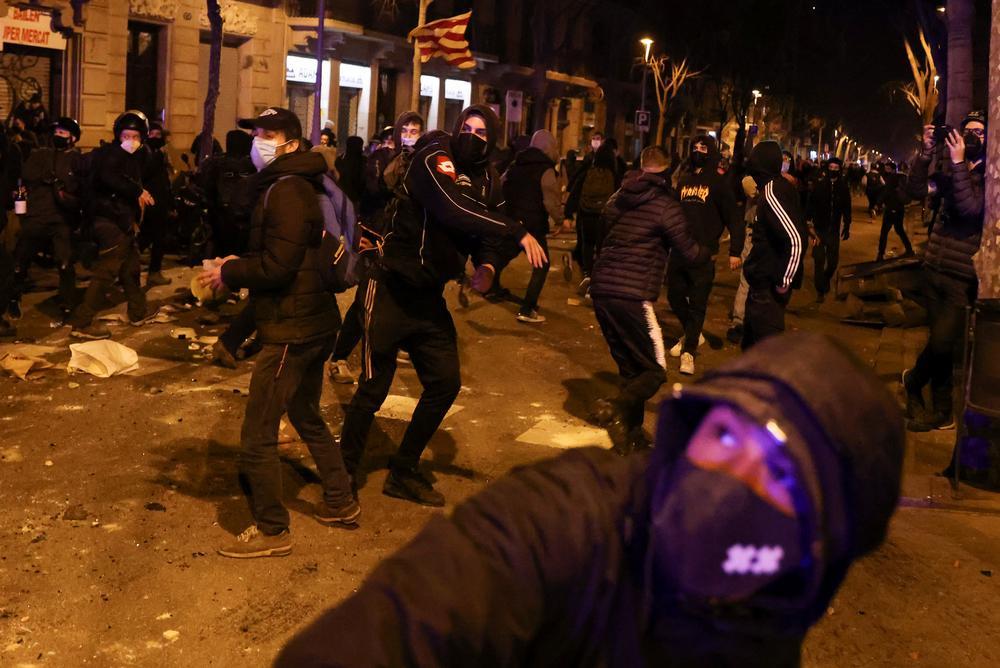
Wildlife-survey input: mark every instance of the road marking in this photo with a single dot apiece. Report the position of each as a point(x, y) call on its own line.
point(396, 407)
point(565, 434)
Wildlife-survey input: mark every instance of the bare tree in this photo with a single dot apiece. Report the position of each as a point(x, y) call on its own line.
point(668, 78)
point(922, 92)
point(205, 147)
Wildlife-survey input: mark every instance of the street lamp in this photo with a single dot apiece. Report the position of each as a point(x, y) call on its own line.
point(647, 43)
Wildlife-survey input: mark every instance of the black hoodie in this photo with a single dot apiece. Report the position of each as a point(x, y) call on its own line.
point(779, 229)
point(552, 565)
point(447, 209)
point(282, 269)
point(645, 224)
point(709, 203)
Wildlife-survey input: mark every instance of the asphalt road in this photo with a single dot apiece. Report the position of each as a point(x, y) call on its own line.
point(116, 492)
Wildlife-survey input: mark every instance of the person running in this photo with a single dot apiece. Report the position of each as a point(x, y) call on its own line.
point(893, 200)
point(830, 213)
point(709, 206)
point(444, 215)
point(119, 200)
point(296, 318)
point(646, 224)
point(874, 183)
point(594, 184)
point(531, 190)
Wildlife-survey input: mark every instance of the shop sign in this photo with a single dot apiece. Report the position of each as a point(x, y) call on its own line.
point(299, 69)
point(30, 27)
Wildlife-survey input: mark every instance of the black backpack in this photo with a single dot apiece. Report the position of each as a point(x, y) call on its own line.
point(598, 186)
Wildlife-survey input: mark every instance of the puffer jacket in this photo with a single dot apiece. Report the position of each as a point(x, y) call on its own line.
point(117, 184)
point(291, 302)
point(957, 232)
point(553, 564)
point(645, 224)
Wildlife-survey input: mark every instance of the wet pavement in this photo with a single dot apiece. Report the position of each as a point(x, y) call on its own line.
point(116, 492)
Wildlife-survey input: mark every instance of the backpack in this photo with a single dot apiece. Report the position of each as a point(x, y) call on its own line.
point(340, 242)
point(598, 186)
point(230, 181)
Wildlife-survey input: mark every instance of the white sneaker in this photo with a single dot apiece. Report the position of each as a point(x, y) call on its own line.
point(679, 346)
point(340, 372)
point(687, 364)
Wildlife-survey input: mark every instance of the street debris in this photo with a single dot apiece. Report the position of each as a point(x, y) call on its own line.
point(75, 513)
point(183, 333)
point(156, 507)
point(102, 358)
point(20, 365)
point(171, 635)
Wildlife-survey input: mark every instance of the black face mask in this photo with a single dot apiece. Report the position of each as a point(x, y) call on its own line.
point(156, 143)
point(699, 159)
point(61, 143)
point(469, 148)
point(973, 146)
point(834, 175)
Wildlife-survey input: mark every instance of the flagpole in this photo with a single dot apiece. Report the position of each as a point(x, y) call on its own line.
point(415, 92)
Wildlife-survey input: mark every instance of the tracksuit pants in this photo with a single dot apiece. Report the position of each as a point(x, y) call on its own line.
point(688, 290)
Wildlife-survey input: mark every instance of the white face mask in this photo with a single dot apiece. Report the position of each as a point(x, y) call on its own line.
point(130, 145)
point(263, 152)
point(785, 166)
point(408, 142)
point(595, 144)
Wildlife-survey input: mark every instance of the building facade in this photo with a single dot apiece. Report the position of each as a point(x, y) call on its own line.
point(92, 59)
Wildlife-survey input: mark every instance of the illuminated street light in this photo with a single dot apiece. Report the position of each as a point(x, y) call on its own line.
point(648, 43)
point(756, 94)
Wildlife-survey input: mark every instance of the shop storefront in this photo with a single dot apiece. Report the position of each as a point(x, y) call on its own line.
point(32, 60)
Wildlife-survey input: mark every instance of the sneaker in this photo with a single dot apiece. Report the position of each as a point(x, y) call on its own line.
point(155, 279)
point(340, 372)
point(146, 319)
point(222, 356)
point(411, 485)
point(603, 411)
point(482, 279)
point(679, 346)
point(620, 434)
point(530, 316)
point(345, 516)
point(94, 331)
point(252, 543)
point(584, 288)
point(567, 269)
point(735, 334)
point(915, 405)
point(687, 364)
point(931, 422)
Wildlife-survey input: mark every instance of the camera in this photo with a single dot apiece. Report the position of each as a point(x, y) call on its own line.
point(941, 132)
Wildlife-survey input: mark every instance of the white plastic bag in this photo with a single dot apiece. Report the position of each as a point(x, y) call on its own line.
point(102, 358)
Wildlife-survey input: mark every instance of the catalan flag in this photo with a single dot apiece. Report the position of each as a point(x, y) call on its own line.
point(445, 38)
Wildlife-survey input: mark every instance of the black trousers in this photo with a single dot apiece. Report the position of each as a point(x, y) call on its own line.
point(826, 257)
point(418, 322)
point(239, 330)
point(8, 290)
point(153, 234)
point(765, 315)
point(892, 219)
point(537, 280)
point(688, 290)
point(288, 379)
point(118, 259)
point(35, 236)
point(636, 344)
point(948, 297)
point(589, 238)
point(351, 332)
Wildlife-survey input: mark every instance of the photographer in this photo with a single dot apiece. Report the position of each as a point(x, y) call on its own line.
point(949, 276)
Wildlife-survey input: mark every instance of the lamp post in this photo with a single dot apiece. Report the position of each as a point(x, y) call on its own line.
point(648, 44)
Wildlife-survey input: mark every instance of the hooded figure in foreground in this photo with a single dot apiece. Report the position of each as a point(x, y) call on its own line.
point(721, 547)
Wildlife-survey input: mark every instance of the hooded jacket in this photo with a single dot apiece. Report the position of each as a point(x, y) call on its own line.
point(282, 269)
point(709, 203)
point(447, 207)
point(779, 230)
point(830, 206)
point(46, 173)
point(530, 185)
point(551, 565)
point(957, 232)
point(645, 224)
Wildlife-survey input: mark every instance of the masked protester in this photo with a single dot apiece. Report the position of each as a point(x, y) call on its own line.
point(710, 208)
point(442, 219)
point(595, 183)
point(722, 547)
point(829, 211)
point(351, 168)
point(51, 178)
point(893, 200)
point(296, 318)
point(646, 224)
point(949, 275)
point(157, 176)
point(874, 183)
point(774, 266)
point(380, 202)
point(120, 201)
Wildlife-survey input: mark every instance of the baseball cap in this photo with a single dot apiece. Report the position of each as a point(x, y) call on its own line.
point(275, 118)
